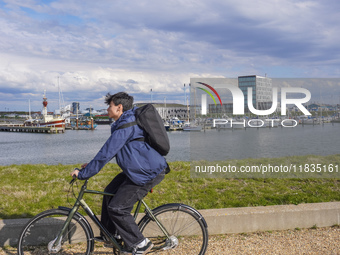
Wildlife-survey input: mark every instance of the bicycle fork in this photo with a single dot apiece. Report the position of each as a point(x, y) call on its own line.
point(54, 246)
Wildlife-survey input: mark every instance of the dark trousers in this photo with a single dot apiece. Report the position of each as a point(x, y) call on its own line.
point(116, 211)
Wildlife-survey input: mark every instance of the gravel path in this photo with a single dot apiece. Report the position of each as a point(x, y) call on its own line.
point(291, 242)
point(325, 241)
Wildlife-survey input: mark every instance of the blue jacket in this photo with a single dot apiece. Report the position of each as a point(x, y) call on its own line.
point(137, 159)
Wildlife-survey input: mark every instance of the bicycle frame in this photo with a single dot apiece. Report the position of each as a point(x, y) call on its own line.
point(80, 202)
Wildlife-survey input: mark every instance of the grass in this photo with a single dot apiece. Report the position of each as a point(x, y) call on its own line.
point(29, 189)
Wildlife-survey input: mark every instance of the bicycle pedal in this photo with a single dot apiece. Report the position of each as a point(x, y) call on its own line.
point(100, 239)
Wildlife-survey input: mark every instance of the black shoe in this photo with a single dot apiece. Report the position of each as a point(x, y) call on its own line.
point(145, 249)
point(139, 251)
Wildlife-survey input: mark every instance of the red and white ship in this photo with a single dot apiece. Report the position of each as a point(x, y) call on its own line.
point(47, 119)
point(50, 120)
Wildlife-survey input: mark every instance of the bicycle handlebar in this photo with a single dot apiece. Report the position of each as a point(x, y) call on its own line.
point(73, 180)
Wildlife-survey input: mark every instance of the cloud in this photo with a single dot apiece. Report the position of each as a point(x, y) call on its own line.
point(99, 46)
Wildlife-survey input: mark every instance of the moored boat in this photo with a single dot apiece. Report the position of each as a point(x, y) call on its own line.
point(47, 120)
point(191, 127)
point(83, 124)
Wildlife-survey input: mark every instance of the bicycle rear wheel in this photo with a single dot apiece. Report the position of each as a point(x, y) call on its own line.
point(44, 228)
point(186, 227)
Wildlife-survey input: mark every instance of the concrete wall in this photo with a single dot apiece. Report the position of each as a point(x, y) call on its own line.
point(265, 218)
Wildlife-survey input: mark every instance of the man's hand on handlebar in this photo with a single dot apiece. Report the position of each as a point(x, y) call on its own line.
point(75, 173)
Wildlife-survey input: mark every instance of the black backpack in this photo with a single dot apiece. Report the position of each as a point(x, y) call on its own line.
point(148, 119)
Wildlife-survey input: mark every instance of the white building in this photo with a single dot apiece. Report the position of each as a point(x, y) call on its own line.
point(262, 91)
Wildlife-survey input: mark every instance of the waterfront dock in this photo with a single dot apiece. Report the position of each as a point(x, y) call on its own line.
point(31, 129)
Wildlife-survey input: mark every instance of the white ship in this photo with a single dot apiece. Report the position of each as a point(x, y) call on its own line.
point(47, 119)
point(50, 120)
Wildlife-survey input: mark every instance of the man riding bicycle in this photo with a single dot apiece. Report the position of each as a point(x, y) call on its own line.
point(143, 168)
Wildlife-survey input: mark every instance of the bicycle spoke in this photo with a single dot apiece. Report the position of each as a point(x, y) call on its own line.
point(188, 234)
point(44, 228)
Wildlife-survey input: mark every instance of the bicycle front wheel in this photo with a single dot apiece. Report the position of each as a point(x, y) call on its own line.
point(43, 229)
point(186, 227)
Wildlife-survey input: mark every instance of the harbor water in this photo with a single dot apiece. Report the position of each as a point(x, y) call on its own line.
point(266, 142)
point(71, 147)
point(80, 146)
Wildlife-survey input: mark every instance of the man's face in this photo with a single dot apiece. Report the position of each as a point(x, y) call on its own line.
point(115, 111)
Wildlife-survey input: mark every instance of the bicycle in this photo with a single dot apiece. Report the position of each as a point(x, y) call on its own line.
point(170, 227)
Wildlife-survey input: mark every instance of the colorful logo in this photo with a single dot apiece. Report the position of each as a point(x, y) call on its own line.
point(208, 92)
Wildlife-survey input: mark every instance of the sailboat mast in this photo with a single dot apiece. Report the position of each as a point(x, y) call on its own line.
point(188, 109)
point(29, 108)
point(59, 93)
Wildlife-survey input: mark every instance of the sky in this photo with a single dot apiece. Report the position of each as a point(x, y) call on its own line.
point(88, 48)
